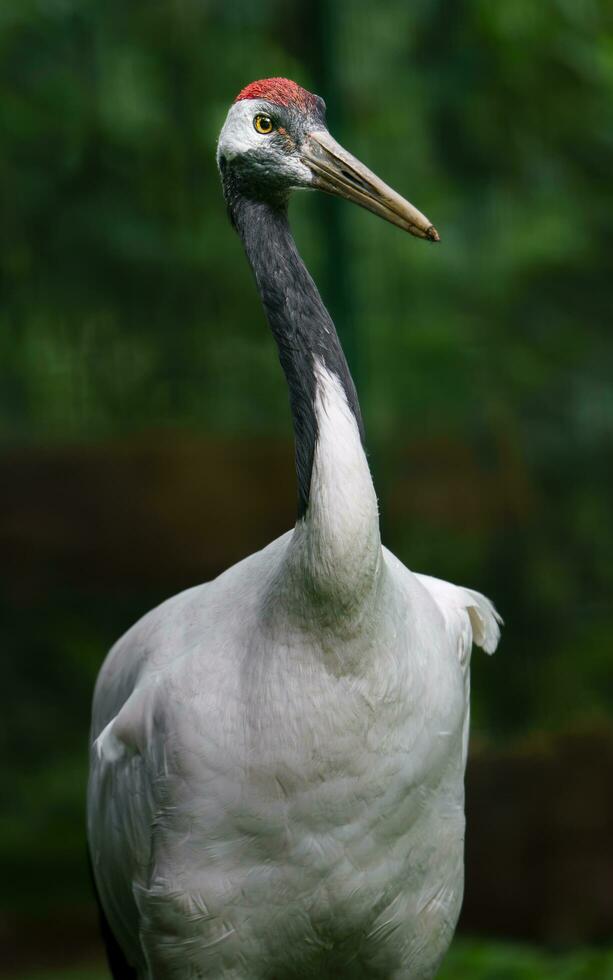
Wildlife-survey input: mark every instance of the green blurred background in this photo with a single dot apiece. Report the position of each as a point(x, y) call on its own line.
point(145, 434)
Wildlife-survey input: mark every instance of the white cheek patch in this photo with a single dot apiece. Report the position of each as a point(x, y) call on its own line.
point(239, 136)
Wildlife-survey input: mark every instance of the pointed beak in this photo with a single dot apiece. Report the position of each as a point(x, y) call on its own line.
point(338, 172)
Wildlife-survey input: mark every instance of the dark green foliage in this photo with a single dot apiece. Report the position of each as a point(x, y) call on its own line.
point(467, 960)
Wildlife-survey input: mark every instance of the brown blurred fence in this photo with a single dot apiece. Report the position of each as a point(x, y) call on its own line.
point(539, 847)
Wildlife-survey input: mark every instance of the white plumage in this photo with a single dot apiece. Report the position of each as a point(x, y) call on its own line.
point(277, 756)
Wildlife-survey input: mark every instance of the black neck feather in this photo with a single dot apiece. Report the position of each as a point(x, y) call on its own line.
point(300, 323)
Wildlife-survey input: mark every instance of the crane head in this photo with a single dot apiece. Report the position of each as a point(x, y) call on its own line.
point(275, 139)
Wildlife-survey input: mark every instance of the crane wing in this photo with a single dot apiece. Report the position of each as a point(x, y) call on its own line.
point(121, 813)
point(469, 616)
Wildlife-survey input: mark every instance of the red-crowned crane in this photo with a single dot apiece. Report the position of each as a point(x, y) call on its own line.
point(277, 757)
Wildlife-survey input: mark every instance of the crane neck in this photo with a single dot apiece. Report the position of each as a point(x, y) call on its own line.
point(300, 324)
point(336, 542)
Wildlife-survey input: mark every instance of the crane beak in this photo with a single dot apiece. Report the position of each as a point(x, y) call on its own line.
point(338, 172)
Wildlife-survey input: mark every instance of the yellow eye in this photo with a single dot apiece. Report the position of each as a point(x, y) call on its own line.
point(263, 125)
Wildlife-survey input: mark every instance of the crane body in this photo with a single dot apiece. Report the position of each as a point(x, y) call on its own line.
point(277, 756)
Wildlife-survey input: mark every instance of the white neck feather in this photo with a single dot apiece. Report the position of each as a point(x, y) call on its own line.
point(336, 547)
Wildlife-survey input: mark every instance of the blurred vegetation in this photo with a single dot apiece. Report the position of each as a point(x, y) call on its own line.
point(128, 316)
point(467, 960)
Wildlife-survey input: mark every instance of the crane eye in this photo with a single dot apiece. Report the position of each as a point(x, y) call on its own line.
point(263, 125)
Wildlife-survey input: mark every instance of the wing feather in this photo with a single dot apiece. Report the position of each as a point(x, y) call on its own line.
point(470, 617)
point(121, 807)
